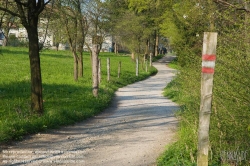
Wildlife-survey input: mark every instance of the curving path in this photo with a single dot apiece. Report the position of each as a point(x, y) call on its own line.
point(132, 132)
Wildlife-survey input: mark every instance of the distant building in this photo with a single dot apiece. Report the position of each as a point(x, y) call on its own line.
point(47, 40)
point(107, 45)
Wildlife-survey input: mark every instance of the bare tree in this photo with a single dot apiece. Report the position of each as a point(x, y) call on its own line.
point(75, 25)
point(95, 15)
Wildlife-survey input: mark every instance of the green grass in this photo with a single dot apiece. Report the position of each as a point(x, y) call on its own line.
point(155, 58)
point(183, 151)
point(65, 101)
point(229, 123)
point(174, 64)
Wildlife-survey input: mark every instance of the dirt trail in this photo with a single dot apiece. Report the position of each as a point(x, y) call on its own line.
point(133, 131)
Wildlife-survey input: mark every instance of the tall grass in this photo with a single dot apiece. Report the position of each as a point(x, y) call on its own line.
point(230, 118)
point(65, 101)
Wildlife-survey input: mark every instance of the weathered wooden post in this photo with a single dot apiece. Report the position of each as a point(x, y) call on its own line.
point(208, 64)
point(108, 69)
point(150, 63)
point(119, 69)
point(99, 71)
point(137, 66)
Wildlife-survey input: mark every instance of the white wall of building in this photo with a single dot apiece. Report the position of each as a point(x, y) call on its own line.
point(106, 45)
point(22, 35)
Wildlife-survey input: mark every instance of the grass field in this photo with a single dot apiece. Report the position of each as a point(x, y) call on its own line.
point(65, 101)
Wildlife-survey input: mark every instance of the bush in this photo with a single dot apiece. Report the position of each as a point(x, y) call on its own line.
point(230, 118)
point(13, 41)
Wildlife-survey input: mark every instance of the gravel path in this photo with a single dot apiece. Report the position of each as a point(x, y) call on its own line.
point(132, 132)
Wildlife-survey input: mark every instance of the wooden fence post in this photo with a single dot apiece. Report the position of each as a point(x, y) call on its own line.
point(99, 71)
point(119, 69)
point(137, 66)
point(108, 69)
point(208, 64)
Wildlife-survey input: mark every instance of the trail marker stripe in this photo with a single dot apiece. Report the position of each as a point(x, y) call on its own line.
point(207, 57)
point(208, 70)
point(208, 64)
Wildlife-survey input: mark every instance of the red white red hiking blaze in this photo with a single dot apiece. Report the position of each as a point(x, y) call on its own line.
point(208, 63)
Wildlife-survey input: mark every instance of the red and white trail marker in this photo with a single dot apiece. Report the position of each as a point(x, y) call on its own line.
point(208, 63)
point(209, 52)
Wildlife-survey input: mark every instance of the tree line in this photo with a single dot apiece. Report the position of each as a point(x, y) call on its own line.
point(135, 27)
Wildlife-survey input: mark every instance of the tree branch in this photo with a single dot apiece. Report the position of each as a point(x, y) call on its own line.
point(9, 11)
point(225, 3)
point(230, 5)
point(41, 5)
point(21, 3)
point(21, 13)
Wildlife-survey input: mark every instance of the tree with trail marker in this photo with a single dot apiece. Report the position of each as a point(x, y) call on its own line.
point(28, 11)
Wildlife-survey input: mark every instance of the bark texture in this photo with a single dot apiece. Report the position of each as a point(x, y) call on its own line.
point(95, 65)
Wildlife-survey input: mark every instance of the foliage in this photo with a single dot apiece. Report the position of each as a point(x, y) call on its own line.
point(174, 64)
point(131, 31)
point(229, 126)
point(65, 101)
point(136, 23)
point(15, 42)
point(157, 57)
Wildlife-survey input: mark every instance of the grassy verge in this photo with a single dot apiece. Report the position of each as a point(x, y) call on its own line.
point(182, 152)
point(229, 124)
point(174, 64)
point(65, 101)
point(155, 58)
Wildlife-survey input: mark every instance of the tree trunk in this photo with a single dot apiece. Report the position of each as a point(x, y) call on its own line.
point(99, 71)
point(95, 69)
point(119, 69)
point(137, 67)
point(150, 59)
point(35, 69)
point(75, 66)
point(5, 41)
point(6, 37)
point(57, 46)
point(147, 48)
point(80, 63)
point(115, 48)
point(156, 43)
point(108, 69)
point(133, 55)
